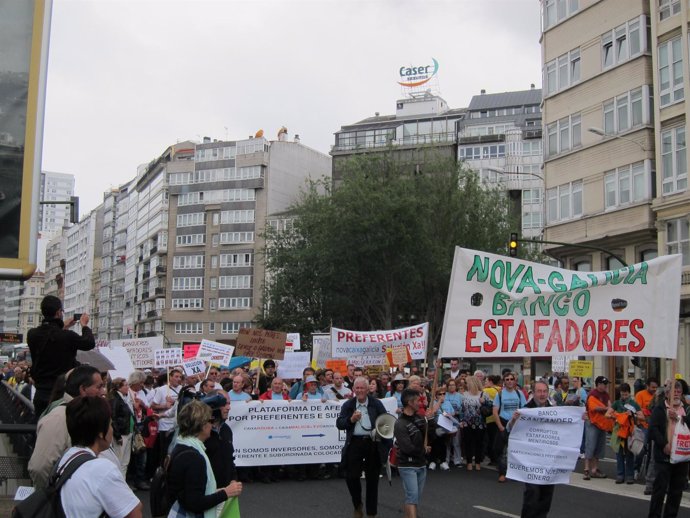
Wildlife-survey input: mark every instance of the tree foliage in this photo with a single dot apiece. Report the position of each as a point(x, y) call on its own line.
point(377, 251)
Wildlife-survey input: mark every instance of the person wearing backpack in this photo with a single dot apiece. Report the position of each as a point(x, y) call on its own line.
point(98, 486)
point(506, 403)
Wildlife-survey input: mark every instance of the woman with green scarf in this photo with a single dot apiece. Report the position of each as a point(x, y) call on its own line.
point(191, 484)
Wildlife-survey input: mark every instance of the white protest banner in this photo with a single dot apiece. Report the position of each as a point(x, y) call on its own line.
point(544, 444)
point(215, 352)
point(294, 339)
point(501, 306)
point(164, 358)
point(349, 344)
point(194, 367)
point(120, 359)
point(292, 364)
point(140, 349)
point(560, 363)
point(287, 432)
point(321, 350)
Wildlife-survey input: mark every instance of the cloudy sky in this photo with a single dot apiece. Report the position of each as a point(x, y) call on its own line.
point(127, 78)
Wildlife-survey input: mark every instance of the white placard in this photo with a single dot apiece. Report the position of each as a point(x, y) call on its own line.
point(120, 359)
point(544, 444)
point(295, 340)
point(368, 344)
point(504, 307)
point(140, 349)
point(321, 349)
point(194, 367)
point(165, 358)
point(215, 352)
point(292, 365)
point(289, 432)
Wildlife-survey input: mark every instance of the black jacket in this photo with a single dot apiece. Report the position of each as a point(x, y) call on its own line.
point(221, 453)
point(54, 351)
point(658, 422)
point(187, 481)
point(122, 416)
point(410, 431)
point(375, 408)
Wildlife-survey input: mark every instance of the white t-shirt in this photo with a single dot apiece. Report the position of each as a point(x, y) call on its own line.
point(343, 391)
point(159, 398)
point(96, 487)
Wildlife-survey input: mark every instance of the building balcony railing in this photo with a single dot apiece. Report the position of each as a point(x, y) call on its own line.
point(531, 133)
point(481, 139)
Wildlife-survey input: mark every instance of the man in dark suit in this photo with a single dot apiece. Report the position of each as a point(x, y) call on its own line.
point(361, 452)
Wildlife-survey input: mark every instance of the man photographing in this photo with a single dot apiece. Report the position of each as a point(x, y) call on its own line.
point(54, 348)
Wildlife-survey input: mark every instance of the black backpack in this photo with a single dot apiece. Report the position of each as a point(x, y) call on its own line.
point(160, 499)
point(45, 502)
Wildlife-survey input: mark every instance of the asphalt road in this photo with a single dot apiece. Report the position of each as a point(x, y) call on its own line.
point(453, 494)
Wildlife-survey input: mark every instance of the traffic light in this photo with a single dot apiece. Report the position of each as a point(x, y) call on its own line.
point(513, 244)
point(74, 209)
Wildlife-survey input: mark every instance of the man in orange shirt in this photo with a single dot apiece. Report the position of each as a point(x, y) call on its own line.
point(644, 397)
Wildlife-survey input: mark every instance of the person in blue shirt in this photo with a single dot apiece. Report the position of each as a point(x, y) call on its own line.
point(454, 399)
point(506, 403)
point(397, 386)
point(312, 390)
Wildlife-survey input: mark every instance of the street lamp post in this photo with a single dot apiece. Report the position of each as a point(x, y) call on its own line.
point(602, 133)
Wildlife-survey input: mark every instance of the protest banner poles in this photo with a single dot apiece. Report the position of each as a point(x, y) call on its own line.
point(258, 375)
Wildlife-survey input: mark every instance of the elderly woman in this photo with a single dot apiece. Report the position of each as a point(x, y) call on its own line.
point(97, 487)
point(191, 482)
point(122, 406)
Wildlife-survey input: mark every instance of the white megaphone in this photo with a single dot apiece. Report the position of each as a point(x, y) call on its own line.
point(383, 428)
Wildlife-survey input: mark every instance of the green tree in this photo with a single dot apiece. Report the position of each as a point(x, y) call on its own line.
point(377, 251)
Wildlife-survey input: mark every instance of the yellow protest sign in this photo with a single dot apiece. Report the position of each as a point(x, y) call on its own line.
point(581, 368)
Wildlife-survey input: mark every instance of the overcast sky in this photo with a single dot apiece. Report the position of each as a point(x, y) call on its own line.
point(128, 78)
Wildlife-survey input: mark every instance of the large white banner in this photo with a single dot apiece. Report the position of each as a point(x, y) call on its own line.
point(544, 444)
point(373, 344)
point(500, 306)
point(288, 432)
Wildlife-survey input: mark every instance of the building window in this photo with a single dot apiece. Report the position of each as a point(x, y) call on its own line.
point(678, 239)
point(236, 260)
point(237, 216)
point(562, 72)
point(674, 171)
point(190, 239)
point(212, 328)
point(182, 262)
point(648, 255)
point(668, 8)
point(187, 304)
point(188, 283)
point(192, 219)
point(627, 184)
point(212, 304)
point(583, 266)
point(235, 303)
point(235, 282)
point(670, 72)
point(231, 328)
point(236, 237)
point(613, 264)
point(214, 283)
point(564, 135)
point(623, 42)
point(564, 202)
point(555, 11)
point(214, 261)
point(189, 328)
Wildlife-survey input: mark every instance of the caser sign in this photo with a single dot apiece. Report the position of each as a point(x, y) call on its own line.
point(417, 75)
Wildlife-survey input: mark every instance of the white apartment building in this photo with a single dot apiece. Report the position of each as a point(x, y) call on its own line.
point(54, 187)
point(83, 243)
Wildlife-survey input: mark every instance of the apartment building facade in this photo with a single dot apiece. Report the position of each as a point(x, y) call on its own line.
point(218, 212)
point(599, 148)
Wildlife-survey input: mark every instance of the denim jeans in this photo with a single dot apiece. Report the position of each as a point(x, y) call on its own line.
point(625, 465)
point(413, 480)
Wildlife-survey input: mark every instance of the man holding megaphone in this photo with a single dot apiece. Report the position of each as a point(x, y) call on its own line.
point(362, 452)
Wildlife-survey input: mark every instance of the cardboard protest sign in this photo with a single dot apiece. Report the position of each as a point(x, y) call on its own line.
point(369, 344)
point(398, 355)
point(194, 367)
point(501, 306)
point(581, 368)
point(544, 444)
point(292, 365)
point(261, 343)
point(165, 358)
point(140, 350)
point(215, 352)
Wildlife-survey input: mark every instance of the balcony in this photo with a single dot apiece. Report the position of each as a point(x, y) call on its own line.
point(160, 270)
point(481, 139)
point(531, 133)
point(159, 292)
point(146, 275)
point(153, 250)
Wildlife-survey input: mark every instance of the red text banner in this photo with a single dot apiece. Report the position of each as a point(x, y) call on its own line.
point(501, 306)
